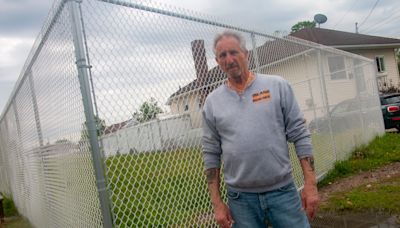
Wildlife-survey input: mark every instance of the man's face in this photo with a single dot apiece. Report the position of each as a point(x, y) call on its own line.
point(230, 57)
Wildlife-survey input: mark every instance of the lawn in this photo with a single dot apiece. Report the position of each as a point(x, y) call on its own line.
point(381, 196)
point(158, 189)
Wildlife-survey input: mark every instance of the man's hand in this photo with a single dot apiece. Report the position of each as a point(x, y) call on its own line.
point(309, 195)
point(222, 215)
point(310, 200)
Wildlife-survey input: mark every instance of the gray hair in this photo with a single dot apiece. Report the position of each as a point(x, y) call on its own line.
point(230, 33)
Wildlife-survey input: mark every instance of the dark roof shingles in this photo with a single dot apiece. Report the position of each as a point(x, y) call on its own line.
point(337, 38)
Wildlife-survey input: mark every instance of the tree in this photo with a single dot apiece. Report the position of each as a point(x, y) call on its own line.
point(147, 111)
point(100, 125)
point(303, 24)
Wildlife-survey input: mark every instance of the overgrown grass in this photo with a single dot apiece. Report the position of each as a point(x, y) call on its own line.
point(158, 189)
point(9, 207)
point(382, 196)
point(381, 151)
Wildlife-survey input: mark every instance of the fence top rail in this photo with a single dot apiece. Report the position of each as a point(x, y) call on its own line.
point(41, 38)
point(130, 4)
point(58, 6)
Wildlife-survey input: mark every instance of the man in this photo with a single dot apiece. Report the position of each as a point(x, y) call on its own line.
point(247, 122)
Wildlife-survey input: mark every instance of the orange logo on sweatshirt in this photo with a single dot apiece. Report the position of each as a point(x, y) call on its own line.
point(261, 96)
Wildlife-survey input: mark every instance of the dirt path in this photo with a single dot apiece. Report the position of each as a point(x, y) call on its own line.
point(360, 219)
point(368, 177)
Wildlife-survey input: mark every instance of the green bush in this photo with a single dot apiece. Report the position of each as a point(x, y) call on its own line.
point(9, 207)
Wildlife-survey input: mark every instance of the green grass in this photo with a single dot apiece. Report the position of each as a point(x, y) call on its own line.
point(382, 196)
point(158, 189)
point(17, 222)
point(9, 207)
point(381, 151)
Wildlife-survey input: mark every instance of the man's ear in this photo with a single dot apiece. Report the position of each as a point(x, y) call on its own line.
point(216, 59)
point(247, 55)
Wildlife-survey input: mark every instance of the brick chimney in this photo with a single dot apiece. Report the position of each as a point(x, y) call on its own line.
point(200, 60)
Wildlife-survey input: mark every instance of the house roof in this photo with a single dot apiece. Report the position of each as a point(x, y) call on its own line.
point(344, 40)
point(213, 76)
point(116, 127)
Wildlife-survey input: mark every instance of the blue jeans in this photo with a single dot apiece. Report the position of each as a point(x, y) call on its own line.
point(280, 208)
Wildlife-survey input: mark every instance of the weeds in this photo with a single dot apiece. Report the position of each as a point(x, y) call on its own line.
point(380, 196)
point(9, 207)
point(381, 151)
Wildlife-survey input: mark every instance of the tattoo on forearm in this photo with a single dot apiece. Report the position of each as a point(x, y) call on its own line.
point(310, 161)
point(211, 175)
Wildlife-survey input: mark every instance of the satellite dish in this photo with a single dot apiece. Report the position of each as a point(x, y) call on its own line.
point(320, 19)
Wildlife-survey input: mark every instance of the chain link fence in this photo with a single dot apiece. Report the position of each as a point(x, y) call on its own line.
point(104, 125)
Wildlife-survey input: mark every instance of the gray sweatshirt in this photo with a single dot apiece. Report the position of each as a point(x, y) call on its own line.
point(250, 133)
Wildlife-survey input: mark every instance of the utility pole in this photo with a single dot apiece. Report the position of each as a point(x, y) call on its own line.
point(357, 27)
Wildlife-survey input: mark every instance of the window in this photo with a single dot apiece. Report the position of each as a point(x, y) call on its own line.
point(186, 105)
point(337, 67)
point(380, 64)
point(199, 103)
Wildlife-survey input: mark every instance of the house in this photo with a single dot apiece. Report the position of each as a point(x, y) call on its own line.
point(304, 64)
point(379, 49)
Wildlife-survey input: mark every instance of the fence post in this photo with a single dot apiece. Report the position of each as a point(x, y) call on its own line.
point(35, 109)
point(4, 186)
point(20, 160)
point(83, 74)
point(40, 138)
point(3, 149)
point(1, 210)
point(361, 108)
point(310, 86)
point(325, 97)
point(255, 54)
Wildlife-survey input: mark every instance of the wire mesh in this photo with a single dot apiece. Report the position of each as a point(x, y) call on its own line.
point(151, 68)
point(50, 170)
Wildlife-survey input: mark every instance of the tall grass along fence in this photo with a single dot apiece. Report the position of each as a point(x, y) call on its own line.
point(103, 127)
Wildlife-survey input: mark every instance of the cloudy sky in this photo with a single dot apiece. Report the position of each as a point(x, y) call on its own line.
point(21, 22)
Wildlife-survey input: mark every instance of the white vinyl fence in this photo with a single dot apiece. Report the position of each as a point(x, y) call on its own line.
point(154, 135)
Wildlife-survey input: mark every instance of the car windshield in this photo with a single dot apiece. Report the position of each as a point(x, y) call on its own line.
point(391, 100)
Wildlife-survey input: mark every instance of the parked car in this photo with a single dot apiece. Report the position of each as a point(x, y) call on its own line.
point(348, 114)
point(390, 105)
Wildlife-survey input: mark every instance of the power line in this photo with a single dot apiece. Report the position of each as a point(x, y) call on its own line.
point(393, 34)
point(351, 7)
point(370, 12)
point(377, 25)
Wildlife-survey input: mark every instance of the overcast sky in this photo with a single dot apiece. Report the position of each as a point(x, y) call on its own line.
point(21, 22)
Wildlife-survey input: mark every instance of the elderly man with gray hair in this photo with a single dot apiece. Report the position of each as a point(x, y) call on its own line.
point(247, 122)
